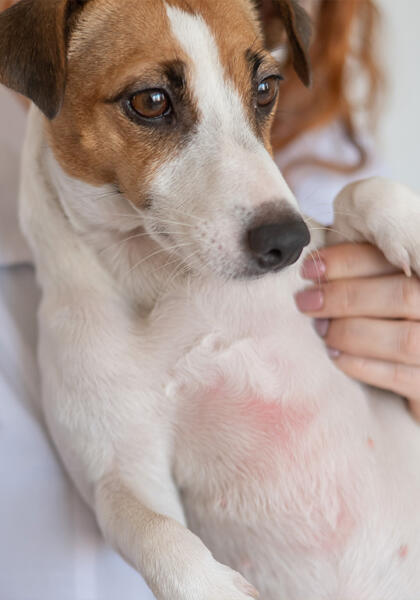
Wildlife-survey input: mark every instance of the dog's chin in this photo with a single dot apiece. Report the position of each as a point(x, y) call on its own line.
point(255, 273)
point(225, 269)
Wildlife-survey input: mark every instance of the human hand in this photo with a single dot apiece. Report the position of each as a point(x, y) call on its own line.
point(368, 313)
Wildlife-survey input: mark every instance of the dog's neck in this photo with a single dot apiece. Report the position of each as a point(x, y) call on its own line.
point(113, 228)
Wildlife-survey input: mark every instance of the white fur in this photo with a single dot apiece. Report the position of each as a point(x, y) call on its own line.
point(212, 402)
point(224, 158)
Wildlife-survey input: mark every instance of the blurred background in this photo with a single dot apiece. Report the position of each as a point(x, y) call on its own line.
point(399, 131)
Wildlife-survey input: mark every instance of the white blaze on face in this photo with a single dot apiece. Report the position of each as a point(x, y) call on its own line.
point(218, 102)
point(221, 178)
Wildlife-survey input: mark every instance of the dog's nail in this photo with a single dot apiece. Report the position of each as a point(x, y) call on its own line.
point(310, 300)
point(314, 268)
point(333, 353)
point(322, 326)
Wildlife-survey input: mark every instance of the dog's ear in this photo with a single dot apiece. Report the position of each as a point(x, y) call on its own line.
point(298, 27)
point(33, 47)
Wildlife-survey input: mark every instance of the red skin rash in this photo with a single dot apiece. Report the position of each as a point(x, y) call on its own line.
point(273, 433)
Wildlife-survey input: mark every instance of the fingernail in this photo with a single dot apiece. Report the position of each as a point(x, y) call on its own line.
point(322, 326)
point(310, 300)
point(333, 353)
point(314, 268)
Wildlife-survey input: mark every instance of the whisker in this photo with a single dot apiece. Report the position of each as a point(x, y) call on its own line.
point(183, 266)
point(318, 276)
point(160, 251)
point(133, 237)
point(137, 210)
point(128, 216)
point(110, 194)
point(182, 211)
point(346, 237)
point(166, 222)
point(163, 221)
point(167, 264)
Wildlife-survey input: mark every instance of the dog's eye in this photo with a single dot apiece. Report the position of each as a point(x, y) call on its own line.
point(151, 104)
point(268, 90)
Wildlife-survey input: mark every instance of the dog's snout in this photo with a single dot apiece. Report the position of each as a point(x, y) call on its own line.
point(279, 244)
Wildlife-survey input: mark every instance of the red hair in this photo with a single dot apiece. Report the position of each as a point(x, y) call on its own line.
point(345, 38)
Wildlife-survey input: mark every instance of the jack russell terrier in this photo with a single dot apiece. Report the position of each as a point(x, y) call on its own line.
point(193, 405)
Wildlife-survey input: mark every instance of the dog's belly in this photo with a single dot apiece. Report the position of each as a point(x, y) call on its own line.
point(299, 496)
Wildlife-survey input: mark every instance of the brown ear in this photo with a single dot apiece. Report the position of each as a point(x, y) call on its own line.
point(33, 45)
point(298, 27)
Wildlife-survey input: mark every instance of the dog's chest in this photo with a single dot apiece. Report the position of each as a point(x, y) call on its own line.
point(275, 449)
point(249, 435)
point(259, 465)
point(235, 435)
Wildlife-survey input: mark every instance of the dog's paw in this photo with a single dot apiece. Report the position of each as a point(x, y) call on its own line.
point(201, 577)
point(230, 585)
point(384, 213)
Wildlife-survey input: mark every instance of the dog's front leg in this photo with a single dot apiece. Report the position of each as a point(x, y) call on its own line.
point(384, 213)
point(113, 432)
point(174, 562)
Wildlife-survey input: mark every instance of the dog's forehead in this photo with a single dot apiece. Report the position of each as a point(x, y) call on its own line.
point(112, 37)
point(233, 24)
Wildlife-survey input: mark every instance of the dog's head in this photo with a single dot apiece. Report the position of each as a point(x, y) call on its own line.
point(171, 101)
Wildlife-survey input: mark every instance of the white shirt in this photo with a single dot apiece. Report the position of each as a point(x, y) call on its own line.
point(50, 546)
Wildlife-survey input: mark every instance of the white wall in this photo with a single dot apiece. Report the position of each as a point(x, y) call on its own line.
point(400, 128)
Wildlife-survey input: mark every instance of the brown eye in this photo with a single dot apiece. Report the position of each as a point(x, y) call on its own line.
point(267, 91)
point(151, 104)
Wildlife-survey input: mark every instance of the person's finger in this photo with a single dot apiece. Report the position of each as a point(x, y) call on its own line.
point(393, 341)
point(346, 261)
point(401, 379)
point(391, 297)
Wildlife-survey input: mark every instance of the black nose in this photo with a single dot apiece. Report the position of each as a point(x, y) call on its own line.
point(277, 245)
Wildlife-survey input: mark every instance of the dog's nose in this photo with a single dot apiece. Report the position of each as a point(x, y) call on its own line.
point(277, 245)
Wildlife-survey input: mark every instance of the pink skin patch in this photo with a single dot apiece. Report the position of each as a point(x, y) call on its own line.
point(403, 551)
point(342, 531)
point(245, 439)
point(280, 424)
point(371, 443)
point(254, 431)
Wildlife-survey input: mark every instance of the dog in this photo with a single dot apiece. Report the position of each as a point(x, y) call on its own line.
point(223, 453)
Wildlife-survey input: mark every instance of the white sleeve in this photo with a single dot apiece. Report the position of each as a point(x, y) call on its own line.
point(315, 187)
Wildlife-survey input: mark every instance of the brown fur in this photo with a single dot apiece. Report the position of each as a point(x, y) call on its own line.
point(92, 138)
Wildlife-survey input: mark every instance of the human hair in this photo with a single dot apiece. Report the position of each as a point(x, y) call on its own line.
point(344, 47)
